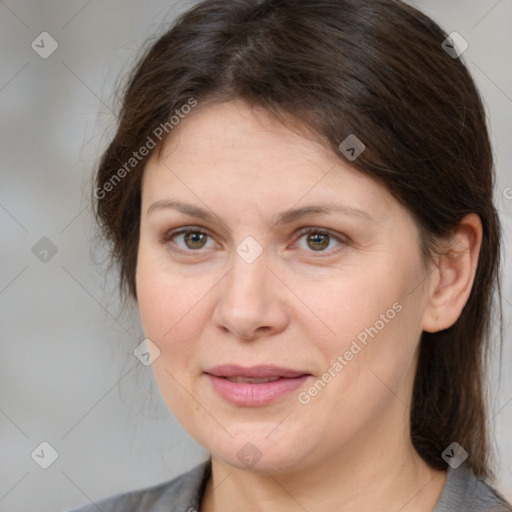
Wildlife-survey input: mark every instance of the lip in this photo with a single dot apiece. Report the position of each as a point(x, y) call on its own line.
point(259, 371)
point(255, 394)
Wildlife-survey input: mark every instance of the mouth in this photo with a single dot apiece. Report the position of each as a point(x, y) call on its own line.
point(256, 385)
point(252, 380)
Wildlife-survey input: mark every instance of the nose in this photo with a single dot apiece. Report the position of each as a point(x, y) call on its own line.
point(251, 301)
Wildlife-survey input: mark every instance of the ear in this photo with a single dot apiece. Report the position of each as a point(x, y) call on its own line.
point(453, 277)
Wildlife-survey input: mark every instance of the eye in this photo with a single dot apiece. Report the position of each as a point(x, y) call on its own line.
point(193, 239)
point(317, 240)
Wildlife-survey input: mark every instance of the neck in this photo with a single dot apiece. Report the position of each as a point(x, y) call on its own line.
point(375, 472)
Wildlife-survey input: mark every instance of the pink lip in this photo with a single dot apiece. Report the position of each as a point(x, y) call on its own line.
point(253, 395)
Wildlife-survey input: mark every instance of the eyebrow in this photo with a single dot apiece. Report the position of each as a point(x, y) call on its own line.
point(285, 217)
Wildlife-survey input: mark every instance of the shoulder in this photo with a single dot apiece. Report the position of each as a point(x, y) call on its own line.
point(183, 494)
point(465, 492)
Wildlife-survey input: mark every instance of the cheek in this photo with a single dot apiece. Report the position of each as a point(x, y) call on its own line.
point(352, 302)
point(170, 313)
point(371, 321)
point(171, 309)
point(165, 296)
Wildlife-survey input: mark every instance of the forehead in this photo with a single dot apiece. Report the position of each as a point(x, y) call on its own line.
point(231, 150)
point(236, 130)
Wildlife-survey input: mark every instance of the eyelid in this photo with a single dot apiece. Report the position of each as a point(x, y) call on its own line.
point(167, 235)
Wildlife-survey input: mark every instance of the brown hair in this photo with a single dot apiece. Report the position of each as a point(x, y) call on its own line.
point(375, 69)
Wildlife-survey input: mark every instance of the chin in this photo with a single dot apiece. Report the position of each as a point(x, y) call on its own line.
point(257, 451)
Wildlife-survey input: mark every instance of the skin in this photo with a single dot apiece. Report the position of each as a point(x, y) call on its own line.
point(296, 307)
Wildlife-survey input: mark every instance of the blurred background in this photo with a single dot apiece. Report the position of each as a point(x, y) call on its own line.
point(68, 376)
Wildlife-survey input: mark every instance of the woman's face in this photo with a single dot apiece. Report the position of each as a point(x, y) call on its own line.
point(231, 288)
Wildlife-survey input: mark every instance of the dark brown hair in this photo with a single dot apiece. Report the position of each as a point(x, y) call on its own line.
point(376, 69)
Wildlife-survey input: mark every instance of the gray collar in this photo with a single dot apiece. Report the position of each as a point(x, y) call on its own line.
point(462, 492)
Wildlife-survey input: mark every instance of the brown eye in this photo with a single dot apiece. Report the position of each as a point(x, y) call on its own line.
point(195, 239)
point(318, 241)
point(188, 240)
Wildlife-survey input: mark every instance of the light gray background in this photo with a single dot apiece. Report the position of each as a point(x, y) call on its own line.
point(67, 372)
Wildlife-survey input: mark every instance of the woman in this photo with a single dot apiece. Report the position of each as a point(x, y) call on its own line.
point(299, 196)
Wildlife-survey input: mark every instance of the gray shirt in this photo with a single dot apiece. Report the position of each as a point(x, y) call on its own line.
point(461, 493)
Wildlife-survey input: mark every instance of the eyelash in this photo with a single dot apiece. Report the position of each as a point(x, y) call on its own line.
point(166, 238)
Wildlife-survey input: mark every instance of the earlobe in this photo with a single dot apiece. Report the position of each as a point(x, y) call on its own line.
point(454, 275)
